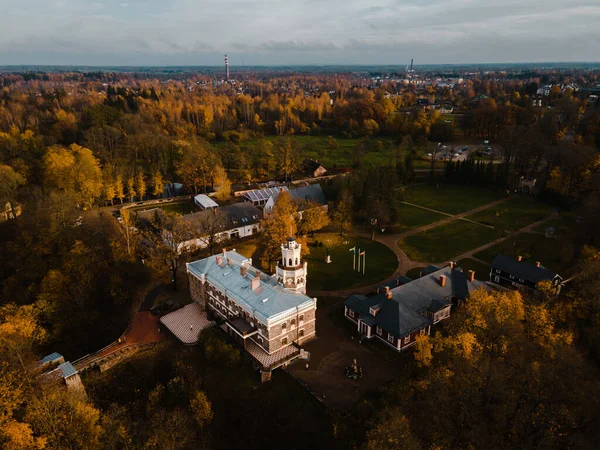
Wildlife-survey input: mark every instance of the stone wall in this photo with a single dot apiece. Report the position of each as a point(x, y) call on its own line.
point(277, 333)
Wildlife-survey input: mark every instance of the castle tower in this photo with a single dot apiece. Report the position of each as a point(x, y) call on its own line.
point(291, 271)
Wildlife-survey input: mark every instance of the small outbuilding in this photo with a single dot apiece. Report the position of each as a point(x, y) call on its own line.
point(204, 202)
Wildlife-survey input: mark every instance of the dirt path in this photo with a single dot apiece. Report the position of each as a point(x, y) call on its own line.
point(404, 263)
point(526, 229)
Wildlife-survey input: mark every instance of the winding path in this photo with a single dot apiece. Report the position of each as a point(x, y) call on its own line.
point(405, 263)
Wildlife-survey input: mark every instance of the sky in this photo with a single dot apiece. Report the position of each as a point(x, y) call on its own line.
point(295, 32)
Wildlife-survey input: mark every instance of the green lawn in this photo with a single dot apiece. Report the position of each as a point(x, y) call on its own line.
point(553, 254)
point(446, 241)
point(481, 270)
point(410, 217)
point(514, 214)
point(381, 262)
point(183, 208)
point(414, 273)
point(449, 199)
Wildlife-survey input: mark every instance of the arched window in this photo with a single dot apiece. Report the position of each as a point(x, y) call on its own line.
point(296, 261)
point(290, 262)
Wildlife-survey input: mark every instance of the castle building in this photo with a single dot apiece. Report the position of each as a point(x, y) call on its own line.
point(269, 316)
point(291, 271)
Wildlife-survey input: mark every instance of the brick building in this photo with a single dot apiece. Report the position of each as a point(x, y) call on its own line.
point(270, 316)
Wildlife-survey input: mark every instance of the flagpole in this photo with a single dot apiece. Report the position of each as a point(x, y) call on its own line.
point(364, 261)
point(359, 260)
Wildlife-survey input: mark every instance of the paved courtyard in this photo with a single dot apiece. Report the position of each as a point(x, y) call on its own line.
point(330, 353)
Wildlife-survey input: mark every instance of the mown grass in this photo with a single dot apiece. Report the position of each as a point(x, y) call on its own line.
point(411, 217)
point(514, 214)
point(446, 241)
point(381, 262)
point(553, 254)
point(448, 198)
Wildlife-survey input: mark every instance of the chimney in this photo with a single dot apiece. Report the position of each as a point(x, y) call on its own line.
point(389, 295)
point(255, 282)
point(442, 280)
point(387, 289)
point(471, 275)
point(538, 264)
point(243, 271)
point(451, 265)
point(519, 258)
point(228, 261)
point(224, 253)
point(219, 260)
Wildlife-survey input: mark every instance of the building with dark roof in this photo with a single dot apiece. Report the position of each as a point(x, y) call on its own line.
point(304, 196)
point(313, 167)
point(227, 222)
point(397, 316)
point(517, 274)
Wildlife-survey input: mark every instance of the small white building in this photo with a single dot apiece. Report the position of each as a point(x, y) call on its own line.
point(204, 202)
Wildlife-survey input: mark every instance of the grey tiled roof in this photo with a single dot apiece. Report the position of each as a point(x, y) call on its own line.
point(49, 358)
point(401, 315)
point(522, 269)
point(67, 370)
point(266, 303)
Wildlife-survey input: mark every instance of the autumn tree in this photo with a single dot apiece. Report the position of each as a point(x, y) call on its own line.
point(313, 218)
point(201, 409)
point(342, 212)
point(158, 184)
point(9, 183)
point(277, 225)
point(170, 240)
point(222, 184)
point(196, 163)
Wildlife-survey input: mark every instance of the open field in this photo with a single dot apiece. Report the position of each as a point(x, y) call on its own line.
point(379, 151)
point(450, 199)
point(553, 254)
point(446, 241)
point(411, 217)
point(381, 262)
point(183, 208)
point(514, 214)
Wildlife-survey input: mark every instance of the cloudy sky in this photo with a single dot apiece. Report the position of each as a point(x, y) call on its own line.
point(199, 32)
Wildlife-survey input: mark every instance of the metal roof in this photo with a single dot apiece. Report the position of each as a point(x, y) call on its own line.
point(266, 303)
point(205, 201)
point(67, 370)
point(50, 358)
point(522, 269)
point(264, 194)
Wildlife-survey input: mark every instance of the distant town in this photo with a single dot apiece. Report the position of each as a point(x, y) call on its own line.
point(375, 257)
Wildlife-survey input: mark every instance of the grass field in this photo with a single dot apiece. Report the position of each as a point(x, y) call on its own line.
point(415, 272)
point(513, 214)
point(410, 217)
point(449, 199)
point(446, 241)
point(553, 254)
point(316, 147)
point(183, 208)
point(381, 262)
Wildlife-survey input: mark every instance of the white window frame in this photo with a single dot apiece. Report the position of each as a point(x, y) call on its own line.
point(301, 332)
point(422, 331)
point(284, 341)
point(497, 270)
point(283, 326)
point(379, 331)
point(406, 339)
point(497, 279)
point(390, 338)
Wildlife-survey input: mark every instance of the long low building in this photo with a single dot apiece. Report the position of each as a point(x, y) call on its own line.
point(397, 316)
point(268, 319)
point(227, 222)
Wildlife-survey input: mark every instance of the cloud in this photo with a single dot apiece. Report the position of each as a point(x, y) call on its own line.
point(289, 32)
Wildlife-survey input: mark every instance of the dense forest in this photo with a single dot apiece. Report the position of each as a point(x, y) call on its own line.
point(73, 145)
